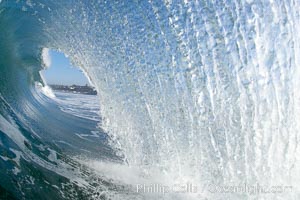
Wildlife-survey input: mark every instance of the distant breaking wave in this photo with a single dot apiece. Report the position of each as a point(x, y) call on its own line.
point(204, 92)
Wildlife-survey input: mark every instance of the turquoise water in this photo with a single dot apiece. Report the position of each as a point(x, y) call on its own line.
point(190, 92)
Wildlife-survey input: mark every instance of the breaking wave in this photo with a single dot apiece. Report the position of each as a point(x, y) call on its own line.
point(201, 92)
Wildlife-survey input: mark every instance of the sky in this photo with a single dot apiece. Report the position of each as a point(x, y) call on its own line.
point(60, 70)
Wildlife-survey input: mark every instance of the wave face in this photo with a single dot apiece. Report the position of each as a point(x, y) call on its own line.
point(202, 92)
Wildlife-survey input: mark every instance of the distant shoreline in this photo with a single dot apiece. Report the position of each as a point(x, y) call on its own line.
point(88, 90)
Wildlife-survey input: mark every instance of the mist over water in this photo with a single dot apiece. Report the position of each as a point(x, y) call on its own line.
point(200, 92)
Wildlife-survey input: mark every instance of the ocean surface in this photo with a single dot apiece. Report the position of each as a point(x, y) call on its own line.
point(197, 99)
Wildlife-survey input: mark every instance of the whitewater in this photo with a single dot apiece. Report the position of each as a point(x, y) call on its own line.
point(195, 97)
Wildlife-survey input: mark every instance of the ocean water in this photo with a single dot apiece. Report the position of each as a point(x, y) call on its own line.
point(197, 99)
